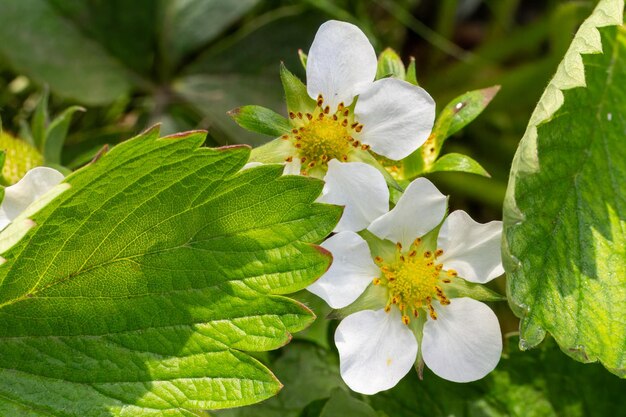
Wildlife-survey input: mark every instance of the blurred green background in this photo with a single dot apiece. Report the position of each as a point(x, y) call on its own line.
point(185, 63)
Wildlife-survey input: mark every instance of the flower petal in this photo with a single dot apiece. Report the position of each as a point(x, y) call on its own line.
point(464, 343)
point(340, 64)
point(418, 211)
point(375, 350)
point(33, 185)
point(359, 187)
point(350, 273)
point(471, 248)
point(397, 117)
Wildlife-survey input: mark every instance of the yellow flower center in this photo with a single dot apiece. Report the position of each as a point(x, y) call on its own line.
point(413, 280)
point(20, 157)
point(321, 136)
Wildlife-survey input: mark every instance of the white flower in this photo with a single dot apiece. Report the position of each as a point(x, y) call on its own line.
point(37, 182)
point(412, 269)
point(352, 114)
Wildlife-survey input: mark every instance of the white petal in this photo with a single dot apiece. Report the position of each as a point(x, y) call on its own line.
point(470, 248)
point(33, 185)
point(340, 64)
point(375, 350)
point(464, 343)
point(397, 117)
point(418, 211)
point(293, 167)
point(359, 187)
point(350, 273)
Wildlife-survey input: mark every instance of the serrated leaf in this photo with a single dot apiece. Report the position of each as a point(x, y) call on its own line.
point(296, 96)
point(141, 286)
point(565, 209)
point(390, 65)
point(260, 120)
point(56, 134)
point(459, 163)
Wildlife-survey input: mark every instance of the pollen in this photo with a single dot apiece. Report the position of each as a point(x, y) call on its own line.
point(414, 280)
point(324, 134)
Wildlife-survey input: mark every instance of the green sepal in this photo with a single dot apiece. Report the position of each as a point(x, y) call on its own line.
point(56, 134)
point(259, 119)
point(296, 96)
point(303, 58)
point(40, 121)
point(461, 288)
point(273, 152)
point(459, 163)
point(461, 111)
point(373, 298)
point(369, 159)
point(390, 65)
point(411, 72)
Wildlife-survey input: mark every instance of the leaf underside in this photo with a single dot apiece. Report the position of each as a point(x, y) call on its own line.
point(142, 285)
point(565, 212)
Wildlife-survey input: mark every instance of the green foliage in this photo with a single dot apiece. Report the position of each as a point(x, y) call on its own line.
point(565, 212)
point(139, 288)
point(458, 162)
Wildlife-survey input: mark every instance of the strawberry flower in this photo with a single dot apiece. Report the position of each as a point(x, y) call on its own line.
point(411, 268)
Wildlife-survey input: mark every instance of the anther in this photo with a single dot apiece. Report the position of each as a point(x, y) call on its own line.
point(378, 259)
point(359, 128)
point(439, 252)
point(289, 159)
point(324, 158)
point(417, 241)
point(299, 115)
point(452, 273)
point(376, 281)
point(428, 254)
point(387, 308)
point(365, 147)
point(311, 164)
point(353, 125)
point(399, 246)
point(406, 320)
point(438, 267)
point(327, 109)
point(346, 112)
point(335, 117)
point(309, 116)
point(446, 281)
point(298, 137)
point(294, 131)
point(340, 106)
point(303, 159)
point(402, 258)
point(344, 158)
point(298, 145)
point(285, 137)
point(412, 253)
point(320, 100)
point(320, 116)
point(344, 122)
point(292, 115)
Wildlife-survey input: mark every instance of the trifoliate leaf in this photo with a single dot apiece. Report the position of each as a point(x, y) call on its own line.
point(260, 120)
point(390, 65)
point(459, 163)
point(139, 287)
point(565, 210)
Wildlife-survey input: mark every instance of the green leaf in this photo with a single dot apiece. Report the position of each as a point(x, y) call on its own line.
point(460, 163)
point(260, 120)
point(539, 383)
point(56, 135)
point(139, 288)
point(390, 65)
point(297, 98)
point(37, 39)
point(343, 404)
point(190, 24)
point(565, 209)
point(309, 374)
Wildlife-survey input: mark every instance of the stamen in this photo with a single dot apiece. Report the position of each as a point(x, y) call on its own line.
point(439, 252)
point(285, 137)
point(359, 128)
point(428, 254)
point(365, 147)
point(289, 159)
point(344, 122)
point(292, 115)
point(309, 116)
point(406, 320)
point(299, 115)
